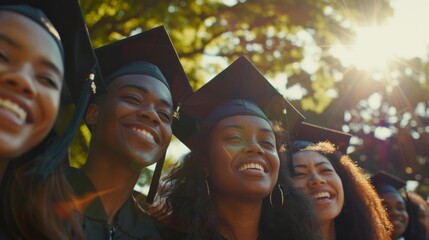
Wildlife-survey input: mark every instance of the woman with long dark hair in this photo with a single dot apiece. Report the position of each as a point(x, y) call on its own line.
point(44, 46)
point(229, 186)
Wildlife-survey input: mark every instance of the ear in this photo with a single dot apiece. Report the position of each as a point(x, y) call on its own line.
point(92, 114)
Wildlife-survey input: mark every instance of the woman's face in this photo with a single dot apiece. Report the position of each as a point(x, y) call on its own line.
point(31, 74)
point(315, 175)
point(396, 209)
point(243, 159)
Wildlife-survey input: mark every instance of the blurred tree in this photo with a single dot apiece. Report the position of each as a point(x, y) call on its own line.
point(277, 35)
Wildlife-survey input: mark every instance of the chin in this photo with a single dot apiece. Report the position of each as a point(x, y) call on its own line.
point(143, 162)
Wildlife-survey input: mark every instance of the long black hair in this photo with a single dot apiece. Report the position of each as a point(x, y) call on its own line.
point(188, 207)
point(34, 206)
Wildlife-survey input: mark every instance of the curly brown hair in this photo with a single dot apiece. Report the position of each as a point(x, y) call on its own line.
point(363, 215)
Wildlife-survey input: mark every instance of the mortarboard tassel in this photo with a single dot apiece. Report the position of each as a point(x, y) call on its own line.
point(47, 162)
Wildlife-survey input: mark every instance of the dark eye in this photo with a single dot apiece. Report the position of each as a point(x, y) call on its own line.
point(133, 99)
point(268, 144)
point(3, 57)
point(327, 170)
point(165, 116)
point(48, 81)
point(234, 139)
point(298, 174)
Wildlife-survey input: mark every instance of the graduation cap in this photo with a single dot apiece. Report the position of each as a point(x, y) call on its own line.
point(240, 89)
point(306, 134)
point(149, 53)
point(385, 182)
point(64, 21)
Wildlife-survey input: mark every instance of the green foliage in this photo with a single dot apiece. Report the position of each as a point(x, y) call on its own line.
point(264, 30)
point(269, 32)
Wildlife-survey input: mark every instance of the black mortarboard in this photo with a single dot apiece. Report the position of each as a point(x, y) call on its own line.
point(385, 182)
point(306, 132)
point(237, 90)
point(150, 53)
point(70, 33)
point(67, 19)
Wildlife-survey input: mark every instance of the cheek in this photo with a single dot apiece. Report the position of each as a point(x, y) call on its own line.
point(299, 183)
point(167, 133)
point(220, 158)
point(339, 187)
point(275, 162)
point(49, 105)
point(225, 153)
point(339, 184)
point(112, 110)
point(405, 215)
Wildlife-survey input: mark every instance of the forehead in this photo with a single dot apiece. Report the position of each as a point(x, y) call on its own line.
point(309, 158)
point(141, 82)
point(244, 121)
point(28, 35)
point(392, 197)
point(21, 25)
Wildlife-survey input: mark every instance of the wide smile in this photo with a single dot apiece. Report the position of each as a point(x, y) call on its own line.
point(149, 135)
point(254, 166)
point(17, 109)
point(322, 197)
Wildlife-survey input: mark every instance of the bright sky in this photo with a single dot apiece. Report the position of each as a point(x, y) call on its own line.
point(404, 35)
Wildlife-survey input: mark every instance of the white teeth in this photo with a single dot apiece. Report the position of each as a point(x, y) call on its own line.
point(322, 195)
point(13, 107)
point(144, 132)
point(251, 166)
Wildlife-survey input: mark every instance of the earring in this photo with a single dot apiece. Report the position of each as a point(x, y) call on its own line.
point(208, 188)
point(281, 195)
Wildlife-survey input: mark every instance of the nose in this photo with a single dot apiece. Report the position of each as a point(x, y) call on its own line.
point(149, 115)
point(20, 81)
point(254, 147)
point(316, 179)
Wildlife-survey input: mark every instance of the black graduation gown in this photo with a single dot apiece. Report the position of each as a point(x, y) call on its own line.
point(131, 222)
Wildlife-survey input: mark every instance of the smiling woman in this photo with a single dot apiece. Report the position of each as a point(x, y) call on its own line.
point(40, 53)
point(229, 185)
point(29, 105)
point(346, 203)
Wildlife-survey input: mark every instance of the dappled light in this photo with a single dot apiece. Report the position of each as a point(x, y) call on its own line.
point(359, 66)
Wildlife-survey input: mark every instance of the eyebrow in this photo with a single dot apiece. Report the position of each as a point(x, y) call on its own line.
point(145, 90)
point(305, 166)
point(16, 45)
point(9, 41)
